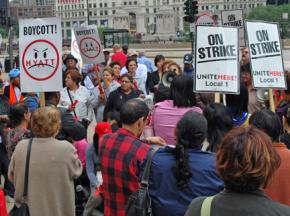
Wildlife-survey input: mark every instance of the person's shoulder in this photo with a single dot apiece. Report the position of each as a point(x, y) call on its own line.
point(195, 206)
point(21, 146)
point(283, 210)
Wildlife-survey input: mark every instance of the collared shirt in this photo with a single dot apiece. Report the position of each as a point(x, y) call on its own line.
point(170, 200)
point(85, 100)
point(147, 62)
point(121, 155)
point(140, 77)
point(254, 105)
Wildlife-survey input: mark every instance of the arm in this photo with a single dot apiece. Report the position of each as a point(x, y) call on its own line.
point(74, 164)
point(110, 104)
point(90, 167)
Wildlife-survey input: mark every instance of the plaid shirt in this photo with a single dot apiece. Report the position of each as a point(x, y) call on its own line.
point(121, 155)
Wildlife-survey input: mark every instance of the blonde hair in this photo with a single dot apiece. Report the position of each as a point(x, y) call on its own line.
point(46, 122)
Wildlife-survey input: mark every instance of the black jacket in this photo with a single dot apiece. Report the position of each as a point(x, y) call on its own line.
point(153, 79)
point(69, 127)
point(117, 98)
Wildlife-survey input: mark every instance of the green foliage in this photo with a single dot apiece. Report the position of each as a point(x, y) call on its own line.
point(3, 32)
point(272, 13)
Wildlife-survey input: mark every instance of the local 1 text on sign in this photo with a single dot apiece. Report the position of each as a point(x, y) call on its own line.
point(265, 55)
point(216, 59)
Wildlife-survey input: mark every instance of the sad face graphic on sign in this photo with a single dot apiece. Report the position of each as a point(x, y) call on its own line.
point(40, 60)
point(90, 47)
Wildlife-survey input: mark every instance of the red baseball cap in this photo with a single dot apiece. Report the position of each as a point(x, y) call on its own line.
point(103, 128)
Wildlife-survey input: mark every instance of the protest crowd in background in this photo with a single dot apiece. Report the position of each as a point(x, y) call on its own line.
point(229, 158)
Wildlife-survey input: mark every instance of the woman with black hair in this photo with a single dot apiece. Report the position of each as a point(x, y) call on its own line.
point(155, 77)
point(219, 123)
point(93, 168)
point(19, 119)
point(184, 172)
point(167, 113)
point(238, 106)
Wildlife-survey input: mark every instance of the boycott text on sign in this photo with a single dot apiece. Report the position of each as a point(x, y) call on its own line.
point(217, 59)
point(232, 18)
point(265, 55)
point(89, 44)
point(40, 49)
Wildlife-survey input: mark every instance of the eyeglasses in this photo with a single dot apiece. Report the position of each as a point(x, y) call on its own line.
point(125, 81)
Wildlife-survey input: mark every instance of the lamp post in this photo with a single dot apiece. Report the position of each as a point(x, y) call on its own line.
point(88, 11)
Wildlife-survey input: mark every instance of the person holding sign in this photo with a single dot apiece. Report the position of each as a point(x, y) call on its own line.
point(253, 105)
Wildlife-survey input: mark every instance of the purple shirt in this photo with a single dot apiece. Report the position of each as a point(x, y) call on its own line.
point(165, 118)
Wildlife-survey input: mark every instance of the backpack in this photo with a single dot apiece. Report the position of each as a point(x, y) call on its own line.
point(139, 202)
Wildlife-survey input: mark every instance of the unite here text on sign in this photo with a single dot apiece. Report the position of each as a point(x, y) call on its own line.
point(217, 59)
point(89, 44)
point(40, 46)
point(265, 55)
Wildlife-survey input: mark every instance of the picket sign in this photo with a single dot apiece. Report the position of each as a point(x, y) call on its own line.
point(40, 47)
point(265, 51)
point(89, 44)
point(217, 49)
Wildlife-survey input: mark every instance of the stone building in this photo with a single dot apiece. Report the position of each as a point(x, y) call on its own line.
point(146, 17)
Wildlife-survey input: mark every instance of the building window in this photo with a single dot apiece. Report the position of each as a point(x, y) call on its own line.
point(101, 13)
point(113, 11)
point(135, 2)
point(101, 5)
point(125, 3)
point(147, 10)
point(95, 5)
point(105, 5)
point(113, 4)
point(130, 3)
point(106, 13)
point(67, 24)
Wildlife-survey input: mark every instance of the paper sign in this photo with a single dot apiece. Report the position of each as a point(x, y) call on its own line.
point(265, 55)
point(40, 46)
point(205, 19)
point(89, 44)
point(217, 59)
point(233, 18)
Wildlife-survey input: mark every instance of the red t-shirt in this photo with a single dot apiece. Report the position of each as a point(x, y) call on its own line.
point(120, 57)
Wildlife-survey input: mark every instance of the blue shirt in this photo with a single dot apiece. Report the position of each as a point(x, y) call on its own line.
point(167, 198)
point(146, 61)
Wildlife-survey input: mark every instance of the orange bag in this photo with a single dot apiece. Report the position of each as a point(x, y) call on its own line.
point(3, 209)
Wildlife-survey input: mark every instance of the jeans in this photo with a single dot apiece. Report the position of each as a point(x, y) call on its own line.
point(92, 203)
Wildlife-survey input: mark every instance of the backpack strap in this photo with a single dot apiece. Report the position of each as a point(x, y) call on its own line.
point(206, 206)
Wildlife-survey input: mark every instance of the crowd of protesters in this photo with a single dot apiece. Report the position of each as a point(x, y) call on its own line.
point(227, 158)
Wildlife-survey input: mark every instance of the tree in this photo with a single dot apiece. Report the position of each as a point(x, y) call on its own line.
point(272, 13)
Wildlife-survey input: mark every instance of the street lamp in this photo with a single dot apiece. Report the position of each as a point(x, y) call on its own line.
point(88, 12)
